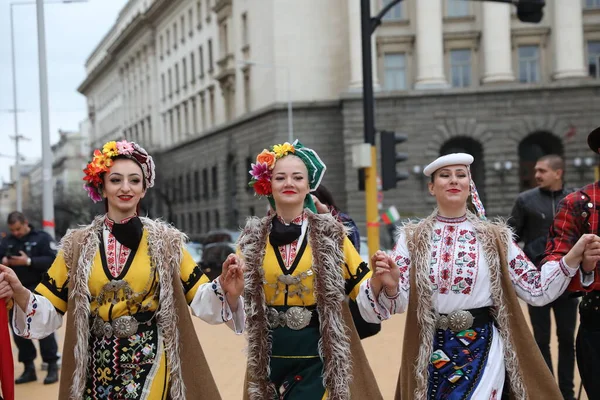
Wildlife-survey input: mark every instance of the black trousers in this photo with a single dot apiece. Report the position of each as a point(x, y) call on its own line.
point(27, 350)
point(588, 353)
point(565, 314)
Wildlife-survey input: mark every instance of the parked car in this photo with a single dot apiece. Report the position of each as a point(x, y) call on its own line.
point(213, 256)
point(195, 249)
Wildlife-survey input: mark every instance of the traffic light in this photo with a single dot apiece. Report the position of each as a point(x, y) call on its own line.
point(389, 159)
point(531, 10)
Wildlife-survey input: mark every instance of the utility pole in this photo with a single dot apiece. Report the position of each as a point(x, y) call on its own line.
point(16, 118)
point(47, 190)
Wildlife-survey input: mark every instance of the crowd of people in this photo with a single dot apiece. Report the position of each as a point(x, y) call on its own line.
point(304, 297)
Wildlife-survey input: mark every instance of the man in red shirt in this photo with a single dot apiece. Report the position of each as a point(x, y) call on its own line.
point(578, 214)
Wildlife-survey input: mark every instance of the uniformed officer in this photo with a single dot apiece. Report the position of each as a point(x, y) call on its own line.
point(30, 253)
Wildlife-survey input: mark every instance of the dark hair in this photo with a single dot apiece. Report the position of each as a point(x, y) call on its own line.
point(555, 161)
point(124, 157)
point(16, 216)
point(325, 197)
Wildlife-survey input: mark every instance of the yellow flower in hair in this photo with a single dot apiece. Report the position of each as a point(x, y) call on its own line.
point(281, 150)
point(101, 161)
point(110, 149)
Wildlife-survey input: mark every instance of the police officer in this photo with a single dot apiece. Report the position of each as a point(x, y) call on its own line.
point(30, 253)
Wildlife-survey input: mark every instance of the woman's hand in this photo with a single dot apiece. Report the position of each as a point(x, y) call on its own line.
point(386, 271)
point(575, 256)
point(232, 279)
point(11, 287)
point(321, 208)
point(591, 255)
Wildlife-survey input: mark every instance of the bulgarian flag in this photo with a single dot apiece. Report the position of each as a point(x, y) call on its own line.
point(390, 215)
point(7, 367)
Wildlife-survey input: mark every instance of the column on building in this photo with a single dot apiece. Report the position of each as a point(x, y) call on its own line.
point(429, 45)
point(355, 50)
point(496, 43)
point(568, 40)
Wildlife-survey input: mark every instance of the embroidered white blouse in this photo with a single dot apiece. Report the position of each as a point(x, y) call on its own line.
point(460, 280)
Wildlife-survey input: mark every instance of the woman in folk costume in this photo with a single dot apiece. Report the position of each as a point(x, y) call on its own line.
point(459, 276)
point(300, 266)
point(126, 282)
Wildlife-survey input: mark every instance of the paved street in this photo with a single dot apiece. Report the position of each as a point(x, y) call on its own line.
point(226, 356)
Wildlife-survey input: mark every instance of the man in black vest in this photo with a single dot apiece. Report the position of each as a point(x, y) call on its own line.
point(531, 218)
point(30, 253)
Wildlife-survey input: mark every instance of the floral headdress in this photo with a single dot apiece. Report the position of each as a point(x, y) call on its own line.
point(103, 160)
point(262, 170)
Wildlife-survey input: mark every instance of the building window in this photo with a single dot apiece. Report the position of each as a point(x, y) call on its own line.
point(594, 58)
point(394, 65)
point(168, 43)
point(215, 182)
point(244, 29)
point(210, 56)
point(199, 14)
point(183, 29)
point(163, 86)
point(176, 78)
point(201, 62)
point(394, 13)
point(203, 111)
point(207, 217)
point(175, 35)
point(217, 219)
point(249, 161)
point(223, 39)
point(172, 127)
point(247, 94)
point(592, 3)
point(186, 128)
point(205, 191)
point(457, 8)
point(460, 67)
point(193, 67)
point(199, 221)
point(184, 67)
point(178, 110)
point(194, 117)
point(211, 106)
point(188, 190)
point(191, 22)
point(170, 82)
point(161, 46)
point(180, 195)
point(197, 187)
point(529, 64)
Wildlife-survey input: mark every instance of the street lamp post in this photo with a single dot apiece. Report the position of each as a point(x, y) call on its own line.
point(289, 92)
point(48, 201)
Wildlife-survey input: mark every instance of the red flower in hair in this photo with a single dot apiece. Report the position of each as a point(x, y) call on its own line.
point(262, 187)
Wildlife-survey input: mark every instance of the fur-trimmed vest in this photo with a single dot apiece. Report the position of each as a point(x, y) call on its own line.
point(346, 372)
point(190, 376)
point(526, 372)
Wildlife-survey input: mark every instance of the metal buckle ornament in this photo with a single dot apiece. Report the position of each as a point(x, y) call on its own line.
point(456, 321)
point(295, 318)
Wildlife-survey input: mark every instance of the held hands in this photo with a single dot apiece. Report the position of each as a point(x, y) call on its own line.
point(386, 272)
point(232, 277)
point(10, 285)
point(591, 252)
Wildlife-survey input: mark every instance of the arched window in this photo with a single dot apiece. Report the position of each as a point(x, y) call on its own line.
point(474, 148)
point(531, 148)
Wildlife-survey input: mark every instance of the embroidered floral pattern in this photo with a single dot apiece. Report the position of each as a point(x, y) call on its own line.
point(289, 251)
point(454, 259)
point(116, 253)
point(29, 317)
point(122, 367)
point(403, 264)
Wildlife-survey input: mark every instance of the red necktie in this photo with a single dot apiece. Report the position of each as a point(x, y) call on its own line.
point(7, 368)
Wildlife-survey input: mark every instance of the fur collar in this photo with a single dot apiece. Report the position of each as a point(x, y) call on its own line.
point(165, 252)
point(419, 245)
point(326, 238)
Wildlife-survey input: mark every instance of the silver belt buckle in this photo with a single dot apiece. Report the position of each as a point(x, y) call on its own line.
point(295, 318)
point(456, 321)
point(121, 327)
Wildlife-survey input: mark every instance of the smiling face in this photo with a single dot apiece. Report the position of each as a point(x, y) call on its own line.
point(451, 187)
point(289, 182)
point(123, 188)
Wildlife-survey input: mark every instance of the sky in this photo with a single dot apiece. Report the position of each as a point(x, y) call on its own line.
point(72, 32)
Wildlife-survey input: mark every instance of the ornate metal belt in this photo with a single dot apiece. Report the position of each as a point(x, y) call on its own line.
point(121, 327)
point(456, 321)
point(295, 318)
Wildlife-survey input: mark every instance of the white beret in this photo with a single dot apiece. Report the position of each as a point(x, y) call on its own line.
point(449, 159)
